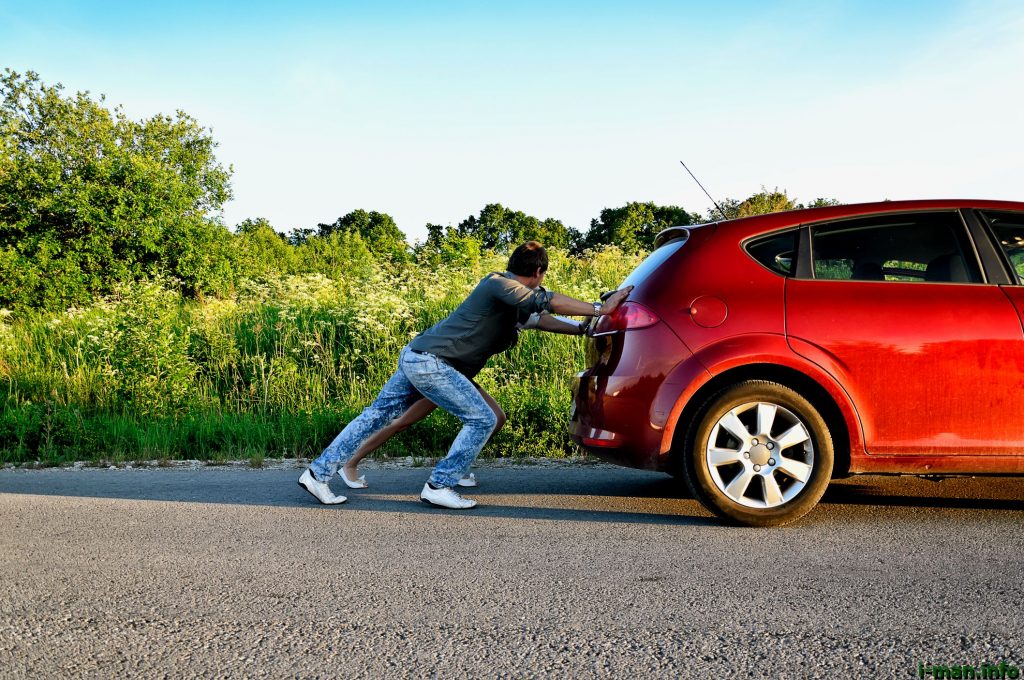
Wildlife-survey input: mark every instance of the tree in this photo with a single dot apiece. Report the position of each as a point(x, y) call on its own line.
point(444, 245)
point(300, 235)
point(89, 197)
point(378, 232)
point(633, 226)
point(763, 202)
point(821, 203)
point(502, 229)
point(339, 254)
point(259, 250)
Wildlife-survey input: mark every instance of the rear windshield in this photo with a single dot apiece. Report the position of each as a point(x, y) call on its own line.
point(653, 261)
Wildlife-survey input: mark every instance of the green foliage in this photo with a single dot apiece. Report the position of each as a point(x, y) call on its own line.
point(51, 433)
point(377, 231)
point(258, 251)
point(764, 202)
point(276, 368)
point(446, 245)
point(89, 198)
point(129, 350)
point(339, 254)
point(821, 203)
point(633, 226)
point(147, 349)
point(502, 229)
point(197, 254)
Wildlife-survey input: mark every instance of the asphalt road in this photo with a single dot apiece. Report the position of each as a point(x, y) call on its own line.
point(574, 572)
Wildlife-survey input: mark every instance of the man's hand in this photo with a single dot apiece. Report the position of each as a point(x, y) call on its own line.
point(615, 300)
point(563, 304)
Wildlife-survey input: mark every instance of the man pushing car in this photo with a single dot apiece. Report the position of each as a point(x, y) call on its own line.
point(440, 363)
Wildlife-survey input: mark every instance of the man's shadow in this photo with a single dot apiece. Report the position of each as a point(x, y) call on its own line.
point(564, 493)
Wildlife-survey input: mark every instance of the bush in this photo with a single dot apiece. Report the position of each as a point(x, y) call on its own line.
point(90, 198)
point(147, 349)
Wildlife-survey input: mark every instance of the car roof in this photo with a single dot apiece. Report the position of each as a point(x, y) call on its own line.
point(790, 218)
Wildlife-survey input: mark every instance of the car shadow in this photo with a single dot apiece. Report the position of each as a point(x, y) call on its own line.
point(976, 493)
point(969, 493)
point(966, 493)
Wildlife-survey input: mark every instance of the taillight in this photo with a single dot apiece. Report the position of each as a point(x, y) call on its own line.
point(628, 316)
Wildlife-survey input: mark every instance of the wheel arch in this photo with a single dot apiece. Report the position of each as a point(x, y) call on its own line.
point(811, 389)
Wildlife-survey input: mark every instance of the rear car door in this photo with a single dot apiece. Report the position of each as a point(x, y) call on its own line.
point(896, 307)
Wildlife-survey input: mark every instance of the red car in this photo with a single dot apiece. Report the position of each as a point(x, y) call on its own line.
point(759, 358)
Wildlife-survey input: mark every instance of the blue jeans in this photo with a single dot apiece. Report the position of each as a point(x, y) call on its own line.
point(426, 375)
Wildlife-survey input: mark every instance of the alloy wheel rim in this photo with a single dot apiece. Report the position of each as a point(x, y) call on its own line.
point(760, 454)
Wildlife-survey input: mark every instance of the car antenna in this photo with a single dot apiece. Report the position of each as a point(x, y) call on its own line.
point(704, 190)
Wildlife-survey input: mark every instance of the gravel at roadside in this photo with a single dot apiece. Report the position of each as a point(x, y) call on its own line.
point(301, 463)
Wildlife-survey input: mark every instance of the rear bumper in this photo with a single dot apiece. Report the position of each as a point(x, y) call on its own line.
point(611, 420)
point(614, 399)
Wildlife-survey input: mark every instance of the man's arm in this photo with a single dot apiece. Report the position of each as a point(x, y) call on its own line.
point(553, 324)
point(563, 304)
point(513, 293)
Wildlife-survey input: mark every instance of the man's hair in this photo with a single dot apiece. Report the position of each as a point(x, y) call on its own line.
point(526, 258)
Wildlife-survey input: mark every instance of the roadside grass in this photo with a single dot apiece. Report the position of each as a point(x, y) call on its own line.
point(275, 371)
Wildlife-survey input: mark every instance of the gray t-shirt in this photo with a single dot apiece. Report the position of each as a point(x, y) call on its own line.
point(484, 324)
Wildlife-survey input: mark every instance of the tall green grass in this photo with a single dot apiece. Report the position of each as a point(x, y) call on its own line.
point(275, 370)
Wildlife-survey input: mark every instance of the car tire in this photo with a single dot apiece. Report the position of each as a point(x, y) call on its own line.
point(758, 454)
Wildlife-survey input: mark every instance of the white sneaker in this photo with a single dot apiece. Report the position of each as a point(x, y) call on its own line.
point(446, 498)
point(359, 483)
point(468, 480)
point(319, 489)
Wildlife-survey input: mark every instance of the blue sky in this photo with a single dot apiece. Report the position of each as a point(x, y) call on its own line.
point(430, 110)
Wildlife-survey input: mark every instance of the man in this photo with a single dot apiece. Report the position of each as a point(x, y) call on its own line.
point(423, 407)
point(439, 365)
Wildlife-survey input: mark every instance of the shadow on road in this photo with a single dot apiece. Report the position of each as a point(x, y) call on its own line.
point(991, 493)
point(589, 494)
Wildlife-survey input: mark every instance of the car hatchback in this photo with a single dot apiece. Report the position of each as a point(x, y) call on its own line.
point(759, 358)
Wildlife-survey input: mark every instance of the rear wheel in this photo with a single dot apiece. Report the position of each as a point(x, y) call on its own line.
point(758, 454)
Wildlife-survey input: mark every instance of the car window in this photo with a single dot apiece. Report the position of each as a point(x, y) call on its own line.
point(777, 252)
point(925, 247)
point(653, 261)
point(1009, 231)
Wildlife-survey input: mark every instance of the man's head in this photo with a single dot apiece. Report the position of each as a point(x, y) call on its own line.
point(529, 261)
